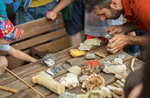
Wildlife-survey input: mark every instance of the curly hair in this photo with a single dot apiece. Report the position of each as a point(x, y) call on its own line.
point(90, 4)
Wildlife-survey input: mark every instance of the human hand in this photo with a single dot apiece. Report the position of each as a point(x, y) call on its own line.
point(114, 29)
point(51, 15)
point(117, 42)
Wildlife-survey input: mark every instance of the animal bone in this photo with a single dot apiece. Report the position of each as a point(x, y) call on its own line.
point(120, 83)
point(93, 82)
point(105, 92)
point(70, 81)
point(114, 88)
point(132, 64)
point(46, 80)
point(123, 80)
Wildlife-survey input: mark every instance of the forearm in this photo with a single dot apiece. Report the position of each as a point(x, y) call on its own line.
point(21, 55)
point(137, 40)
point(62, 4)
point(129, 27)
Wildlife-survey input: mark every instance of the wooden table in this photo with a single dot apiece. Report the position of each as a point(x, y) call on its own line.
point(27, 71)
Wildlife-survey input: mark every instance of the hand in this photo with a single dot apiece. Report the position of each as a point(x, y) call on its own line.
point(118, 42)
point(51, 15)
point(115, 29)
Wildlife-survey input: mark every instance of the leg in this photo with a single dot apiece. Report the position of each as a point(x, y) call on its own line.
point(3, 62)
point(75, 39)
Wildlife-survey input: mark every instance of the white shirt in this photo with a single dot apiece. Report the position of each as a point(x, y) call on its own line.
point(5, 47)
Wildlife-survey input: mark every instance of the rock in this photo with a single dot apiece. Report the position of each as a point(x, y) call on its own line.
point(67, 95)
point(93, 42)
point(75, 69)
point(90, 56)
point(85, 47)
point(82, 78)
point(70, 81)
point(118, 61)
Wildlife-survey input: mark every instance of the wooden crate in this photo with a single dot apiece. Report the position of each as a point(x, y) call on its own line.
point(42, 34)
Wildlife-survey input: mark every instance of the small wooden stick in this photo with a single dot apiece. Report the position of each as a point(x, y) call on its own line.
point(9, 89)
point(24, 81)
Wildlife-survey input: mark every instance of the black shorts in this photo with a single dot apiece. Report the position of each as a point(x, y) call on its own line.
point(77, 23)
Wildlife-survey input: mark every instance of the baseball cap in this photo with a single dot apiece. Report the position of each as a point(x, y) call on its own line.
point(8, 31)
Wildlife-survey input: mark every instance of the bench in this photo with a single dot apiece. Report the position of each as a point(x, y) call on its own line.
point(42, 34)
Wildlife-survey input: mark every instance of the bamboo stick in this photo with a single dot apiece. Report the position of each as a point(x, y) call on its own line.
point(9, 89)
point(23, 81)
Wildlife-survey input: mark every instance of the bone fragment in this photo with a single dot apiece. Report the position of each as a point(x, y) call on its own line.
point(120, 83)
point(132, 64)
point(47, 81)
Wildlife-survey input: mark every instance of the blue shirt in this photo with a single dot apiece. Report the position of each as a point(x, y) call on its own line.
point(3, 8)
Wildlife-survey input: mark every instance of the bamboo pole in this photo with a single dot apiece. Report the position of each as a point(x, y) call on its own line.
point(9, 89)
point(23, 81)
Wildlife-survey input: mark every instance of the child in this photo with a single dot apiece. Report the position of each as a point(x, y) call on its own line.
point(10, 33)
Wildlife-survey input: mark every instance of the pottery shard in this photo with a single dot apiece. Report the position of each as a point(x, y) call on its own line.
point(75, 69)
point(90, 56)
point(85, 47)
point(93, 42)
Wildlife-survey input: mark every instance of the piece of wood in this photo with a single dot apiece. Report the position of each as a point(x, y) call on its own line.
point(39, 39)
point(9, 89)
point(23, 81)
point(53, 47)
point(40, 26)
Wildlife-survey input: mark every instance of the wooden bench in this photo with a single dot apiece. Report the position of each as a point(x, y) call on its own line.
point(42, 34)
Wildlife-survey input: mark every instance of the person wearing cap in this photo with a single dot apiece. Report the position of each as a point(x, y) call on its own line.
point(10, 33)
point(136, 11)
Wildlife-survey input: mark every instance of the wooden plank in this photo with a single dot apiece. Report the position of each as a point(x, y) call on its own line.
point(40, 26)
point(53, 47)
point(39, 39)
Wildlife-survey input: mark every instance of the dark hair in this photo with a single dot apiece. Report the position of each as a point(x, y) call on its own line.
point(90, 4)
point(132, 80)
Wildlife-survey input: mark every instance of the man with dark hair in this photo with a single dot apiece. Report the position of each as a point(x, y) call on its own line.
point(136, 11)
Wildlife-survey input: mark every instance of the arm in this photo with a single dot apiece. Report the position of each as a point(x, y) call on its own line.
point(119, 41)
point(21, 55)
point(125, 28)
point(62, 4)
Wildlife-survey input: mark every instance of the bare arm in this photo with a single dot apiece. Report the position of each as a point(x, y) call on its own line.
point(124, 28)
point(21, 55)
point(62, 4)
point(137, 40)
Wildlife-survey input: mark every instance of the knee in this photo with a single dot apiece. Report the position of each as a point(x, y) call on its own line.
point(3, 61)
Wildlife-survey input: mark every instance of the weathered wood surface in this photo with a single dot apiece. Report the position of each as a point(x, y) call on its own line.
point(26, 72)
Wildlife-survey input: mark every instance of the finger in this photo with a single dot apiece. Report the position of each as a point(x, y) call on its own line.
point(113, 39)
point(113, 50)
point(115, 43)
point(113, 31)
